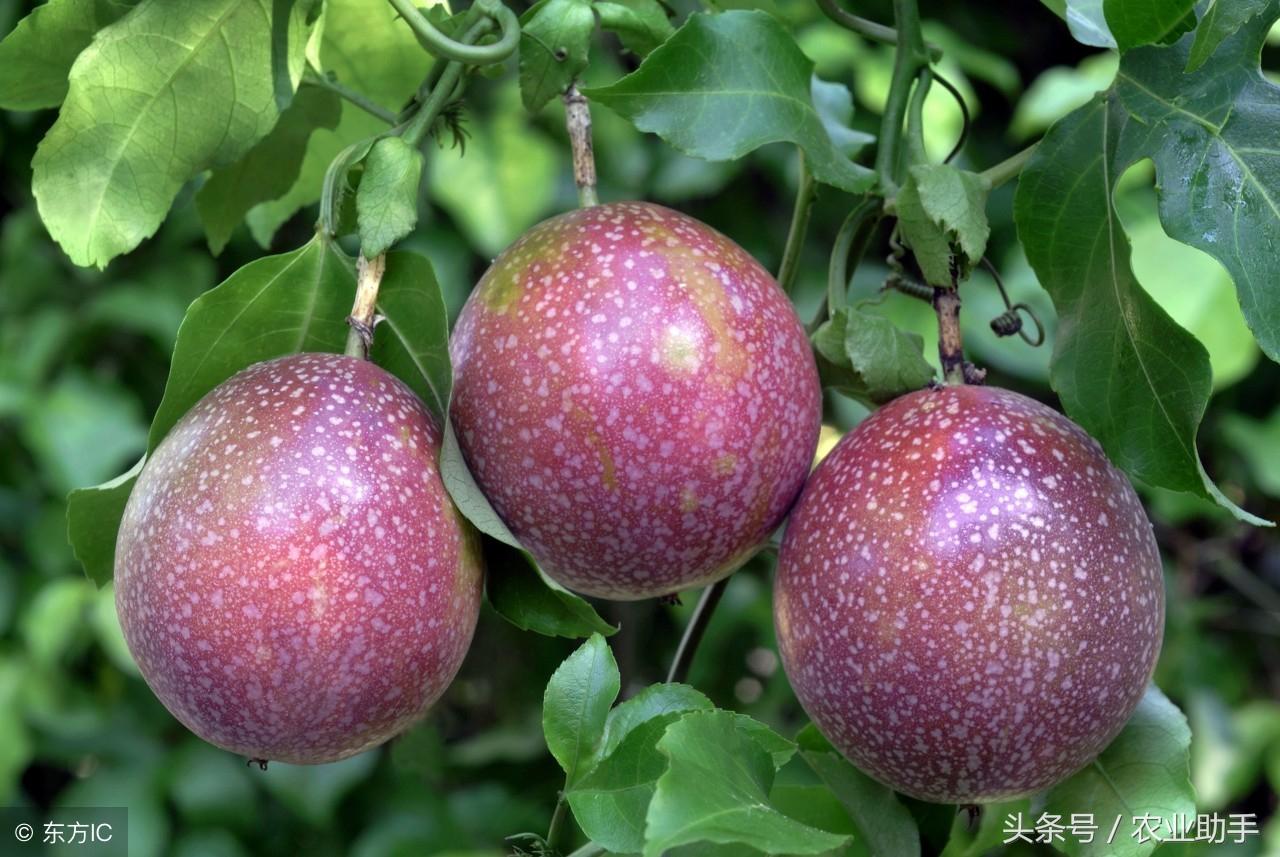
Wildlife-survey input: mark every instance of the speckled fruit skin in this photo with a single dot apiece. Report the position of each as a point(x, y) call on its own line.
point(291, 577)
point(636, 397)
point(969, 600)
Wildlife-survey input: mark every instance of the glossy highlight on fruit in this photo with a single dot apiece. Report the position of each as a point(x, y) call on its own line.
point(969, 600)
point(291, 577)
point(636, 397)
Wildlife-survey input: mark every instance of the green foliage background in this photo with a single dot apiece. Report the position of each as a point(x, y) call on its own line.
point(83, 359)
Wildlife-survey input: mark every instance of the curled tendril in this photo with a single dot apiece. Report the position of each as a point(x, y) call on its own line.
point(964, 114)
point(1009, 322)
point(440, 45)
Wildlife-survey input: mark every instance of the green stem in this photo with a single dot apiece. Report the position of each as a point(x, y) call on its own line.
point(911, 56)
point(694, 631)
point(557, 820)
point(915, 118)
point(440, 45)
point(421, 122)
point(866, 28)
point(323, 81)
point(855, 233)
point(799, 226)
point(1009, 168)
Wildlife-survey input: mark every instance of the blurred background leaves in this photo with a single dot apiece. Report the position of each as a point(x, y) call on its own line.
point(84, 356)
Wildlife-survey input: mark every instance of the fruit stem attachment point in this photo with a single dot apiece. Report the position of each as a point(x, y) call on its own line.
point(946, 303)
point(362, 319)
point(577, 121)
point(695, 629)
point(805, 195)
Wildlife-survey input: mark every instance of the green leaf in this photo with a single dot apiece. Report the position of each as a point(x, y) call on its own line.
point(884, 823)
point(942, 209)
point(576, 704)
point(523, 595)
point(387, 199)
point(869, 358)
point(266, 171)
point(1212, 136)
point(369, 49)
point(412, 338)
point(466, 494)
point(610, 802)
point(655, 700)
point(716, 789)
point(1124, 369)
point(1144, 771)
point(1143, 22)
point(1088, 23)
point(555, 40)
point(750, 86)
point(273, 306)
point(834, 104)
point(93, 517)
point(642, 25)
point(158, 97)
point(1221, 19)
point(37, 54)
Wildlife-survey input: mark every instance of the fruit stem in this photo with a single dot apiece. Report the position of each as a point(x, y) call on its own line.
point(362, 319)
point(557, 819)
point(577, 120)
point(805, 194)
point(946, 303)
point(695, 629)
point(1009, 168)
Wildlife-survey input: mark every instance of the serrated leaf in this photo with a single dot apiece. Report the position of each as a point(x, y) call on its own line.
point(641, 25)
point(716, 789)
point(883, 823)
point(869, 358)
point(273, 306)
point(654, 701)
point(942, 209)
point(1144, 771)
point(750, 86)
point(576, 704)
point(412, 339)
point(93, 517)
point(1222, 19)
point(524, 596)
point(1212, 136)
point(1124, 369)
point(157, 98)
point(387, 199)
point(266, 171)
point(1134, 23)
point(37, 54)
point(555, 40)
point(369, 49)
point(834, 104)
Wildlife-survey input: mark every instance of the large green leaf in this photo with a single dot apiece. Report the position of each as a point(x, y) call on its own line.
point(749, 86)
point(1220, 20)
point(716, 789)
point(267, 170)
point(368, 48)
point(1145, 771)
point(157, 98)
point(1143, 22)
point(1212, 135)
point(412, 339)
point(882, 821)
point(523, 595)
point(36, 56)
point(1124, 369)
point(641, 25)
point(576, 704)
point(273, 306)
point(555, 40)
